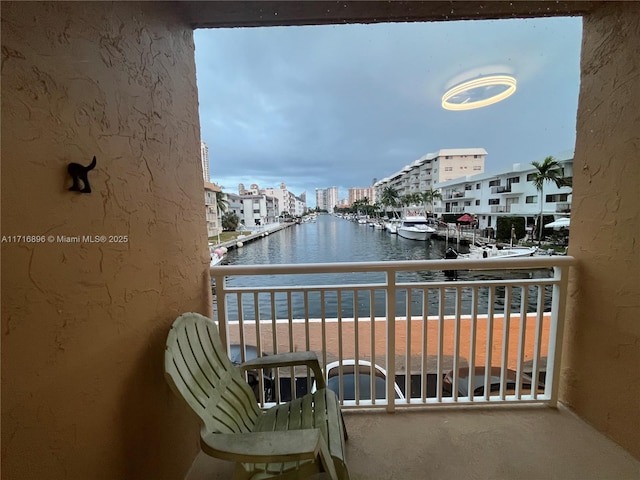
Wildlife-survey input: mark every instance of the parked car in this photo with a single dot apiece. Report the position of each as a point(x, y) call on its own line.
point(477, 379)
point(251, 352)
point(349, 374)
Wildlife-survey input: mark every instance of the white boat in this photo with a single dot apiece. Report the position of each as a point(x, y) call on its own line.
point(494, 252)
point(416, 228)
point(392, 226)
point(217, 254)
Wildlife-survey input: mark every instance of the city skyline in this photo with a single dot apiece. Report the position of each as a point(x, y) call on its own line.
point(340, 105)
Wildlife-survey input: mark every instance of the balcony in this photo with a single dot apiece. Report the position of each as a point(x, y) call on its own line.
point(451, 195)
point(563, 207)
point(500, 208)
point(501, 189)
point(500, 444)
point(408, 318)
point(366, 310)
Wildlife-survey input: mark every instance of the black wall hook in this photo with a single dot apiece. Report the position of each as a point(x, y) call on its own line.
point(79, 175)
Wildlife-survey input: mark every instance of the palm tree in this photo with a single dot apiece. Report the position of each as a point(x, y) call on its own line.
point(221, 200)
point(549, 170)
point(390, 197)
point(429, 196)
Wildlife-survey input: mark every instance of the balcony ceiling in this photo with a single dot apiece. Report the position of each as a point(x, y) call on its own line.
point(272, 13)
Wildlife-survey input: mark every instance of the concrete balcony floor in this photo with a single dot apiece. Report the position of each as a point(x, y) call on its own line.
point(523, 442)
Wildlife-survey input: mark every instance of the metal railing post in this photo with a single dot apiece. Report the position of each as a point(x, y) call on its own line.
point(391, 340)
point(221, 304)
point(556, 333)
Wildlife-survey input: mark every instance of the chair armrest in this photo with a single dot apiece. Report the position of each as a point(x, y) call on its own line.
point(290, 359)
point(269, 447)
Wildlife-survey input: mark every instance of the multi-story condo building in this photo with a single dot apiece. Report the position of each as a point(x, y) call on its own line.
point(327, 198)
point(256, 208)
point(508, 193)
point(285, 197)
point(356, 194)
point(204, 158)
point(300, 205)
point(214, 226)
point(433, 168)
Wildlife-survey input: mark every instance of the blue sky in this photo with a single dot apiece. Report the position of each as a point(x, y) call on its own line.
point(340, 105)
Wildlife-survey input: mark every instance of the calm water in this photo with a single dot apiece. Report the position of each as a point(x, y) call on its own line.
point(332, 239)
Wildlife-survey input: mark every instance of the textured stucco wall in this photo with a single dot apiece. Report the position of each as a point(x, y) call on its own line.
point(84, 325)
point(601, 374)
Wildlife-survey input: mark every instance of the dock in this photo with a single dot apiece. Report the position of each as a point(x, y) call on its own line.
point(260, 233)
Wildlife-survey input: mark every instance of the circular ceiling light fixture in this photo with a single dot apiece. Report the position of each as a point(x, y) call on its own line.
point(479, 92)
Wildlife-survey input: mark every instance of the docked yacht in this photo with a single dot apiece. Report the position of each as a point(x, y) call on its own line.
point(416, 228)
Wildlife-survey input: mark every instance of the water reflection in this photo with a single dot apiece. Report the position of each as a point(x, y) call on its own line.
point(336, 240)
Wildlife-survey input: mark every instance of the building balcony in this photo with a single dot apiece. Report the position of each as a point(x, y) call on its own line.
point(433, 328)
point(500, 208)
point(451, 195)
point(563, 207)
point(421, 330)
point(503, 444)
point(501, 189)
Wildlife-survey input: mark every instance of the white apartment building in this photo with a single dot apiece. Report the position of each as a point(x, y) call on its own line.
point(300, 205)
point(255, 208)
point(327, 198)
point(508, 193)
point(204, 158)
point(433, 168)
point(214, 226)
point(286, 199)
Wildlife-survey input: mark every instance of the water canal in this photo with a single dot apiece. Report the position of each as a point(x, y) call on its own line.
point(332, 239)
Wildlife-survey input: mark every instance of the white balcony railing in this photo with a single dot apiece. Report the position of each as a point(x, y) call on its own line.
point(409, 318)
point(500, 208)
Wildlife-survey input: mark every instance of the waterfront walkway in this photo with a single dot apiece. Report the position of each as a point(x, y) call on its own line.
point(256, 232)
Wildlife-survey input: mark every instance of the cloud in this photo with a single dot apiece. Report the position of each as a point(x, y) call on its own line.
point(340, 105)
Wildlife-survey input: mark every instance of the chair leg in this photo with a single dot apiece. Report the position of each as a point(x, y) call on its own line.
point(344, 427)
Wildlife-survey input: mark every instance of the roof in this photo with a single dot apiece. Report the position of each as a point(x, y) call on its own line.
point(461, 151)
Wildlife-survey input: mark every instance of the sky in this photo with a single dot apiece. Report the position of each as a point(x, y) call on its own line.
point(342, 105)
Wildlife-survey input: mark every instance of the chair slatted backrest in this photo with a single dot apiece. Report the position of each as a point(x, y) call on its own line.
point(198, 368)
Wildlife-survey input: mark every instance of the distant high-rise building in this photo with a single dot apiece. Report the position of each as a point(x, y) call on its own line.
point(360, 193)
point(204, 157)
point(326, 198)
point(321, 199)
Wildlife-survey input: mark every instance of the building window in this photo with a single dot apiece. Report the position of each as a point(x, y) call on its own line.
point(530, 177)
point(467, 204)
point(494, 201)
point(494, 183)
point(531, 199)
point(477, 186)
point(477, 167)
point(478, 203)
point(560, 197)
point(448, 169)
point(513, 180)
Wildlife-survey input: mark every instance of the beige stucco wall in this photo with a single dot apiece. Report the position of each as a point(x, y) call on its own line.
point(84, 325)
point(601, 374)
